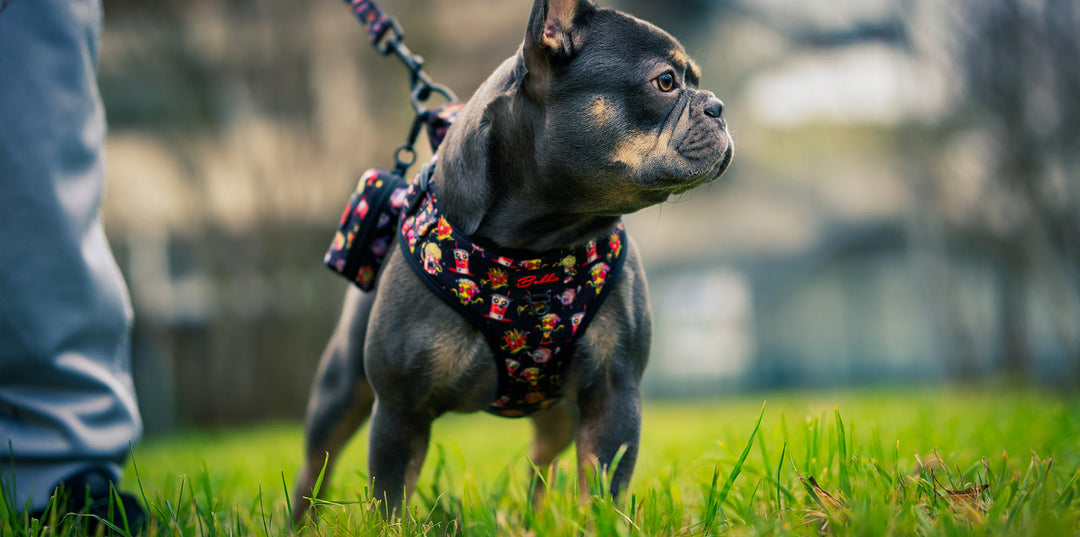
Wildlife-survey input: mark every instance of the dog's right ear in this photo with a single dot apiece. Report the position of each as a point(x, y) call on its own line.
point(557, 29)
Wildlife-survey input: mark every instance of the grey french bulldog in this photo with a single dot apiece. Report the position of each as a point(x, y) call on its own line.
point(596, 115)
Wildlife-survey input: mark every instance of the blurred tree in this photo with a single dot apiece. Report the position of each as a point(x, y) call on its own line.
point(1015, 62)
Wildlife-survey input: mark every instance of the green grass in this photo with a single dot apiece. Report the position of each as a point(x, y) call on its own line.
point(885, 462)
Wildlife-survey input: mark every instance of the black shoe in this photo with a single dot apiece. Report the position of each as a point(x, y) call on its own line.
point(87, 499)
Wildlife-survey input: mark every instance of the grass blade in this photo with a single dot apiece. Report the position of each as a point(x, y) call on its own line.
point(262, 511)
point(114, 498)
point(841, 444)
point(318, 480)
point(712, 507)
point(208, 491)
point(779, 469)
point(138, 478)
point(742, 459)
point(288, 502)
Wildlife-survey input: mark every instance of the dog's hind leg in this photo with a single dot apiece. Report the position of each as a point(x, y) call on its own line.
point(553, 432)
point(341, 400)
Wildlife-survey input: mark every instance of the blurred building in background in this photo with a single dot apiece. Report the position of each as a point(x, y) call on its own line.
point(903, 205)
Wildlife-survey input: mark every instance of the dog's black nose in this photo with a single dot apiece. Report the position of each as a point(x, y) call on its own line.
point(714, 107)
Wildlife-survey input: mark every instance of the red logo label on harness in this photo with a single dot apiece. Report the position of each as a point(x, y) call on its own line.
point(532, 280)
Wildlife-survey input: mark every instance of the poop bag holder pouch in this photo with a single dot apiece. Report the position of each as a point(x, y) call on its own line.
point(369, 223)
point(367, 227)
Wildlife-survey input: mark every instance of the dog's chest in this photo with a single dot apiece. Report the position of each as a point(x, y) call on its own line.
point(531, 308)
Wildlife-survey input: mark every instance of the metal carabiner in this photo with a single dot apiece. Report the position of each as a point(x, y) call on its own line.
point(422, 90)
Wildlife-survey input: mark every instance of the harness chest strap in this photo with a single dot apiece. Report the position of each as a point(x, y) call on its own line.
point(530, 307)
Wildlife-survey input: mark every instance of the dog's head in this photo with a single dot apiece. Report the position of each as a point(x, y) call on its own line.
point(598, 114)
point(621, 108)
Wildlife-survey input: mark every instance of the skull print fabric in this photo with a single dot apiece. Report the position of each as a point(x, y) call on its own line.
point(367, 227)
point(530, 306)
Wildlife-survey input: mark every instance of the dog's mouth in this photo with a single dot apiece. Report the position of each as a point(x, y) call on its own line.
point(722, 166)
point(709, 152)
point(696, 161)
point(712, 173)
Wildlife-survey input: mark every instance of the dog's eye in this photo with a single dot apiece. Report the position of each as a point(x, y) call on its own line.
point(665, 82)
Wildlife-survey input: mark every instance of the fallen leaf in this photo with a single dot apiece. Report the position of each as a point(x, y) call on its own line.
point(970, 494)
point(827, 500)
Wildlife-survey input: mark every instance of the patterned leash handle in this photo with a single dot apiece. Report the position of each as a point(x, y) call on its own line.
point(387, 38)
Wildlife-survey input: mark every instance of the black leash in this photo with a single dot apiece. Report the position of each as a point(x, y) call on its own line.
point(387, 38)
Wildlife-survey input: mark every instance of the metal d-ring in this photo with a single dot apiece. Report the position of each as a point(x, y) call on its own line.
point(400, 165)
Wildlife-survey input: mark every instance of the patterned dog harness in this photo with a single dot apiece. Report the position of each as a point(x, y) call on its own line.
point(530, 307)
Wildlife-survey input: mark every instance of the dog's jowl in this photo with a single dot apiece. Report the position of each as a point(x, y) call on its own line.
point(512, 286)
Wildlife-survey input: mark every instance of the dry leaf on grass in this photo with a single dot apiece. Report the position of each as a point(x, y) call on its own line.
point(969, 495)
point(833, 508)
point(830, 502)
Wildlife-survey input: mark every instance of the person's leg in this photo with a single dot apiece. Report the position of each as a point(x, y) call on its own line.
point(67, 402)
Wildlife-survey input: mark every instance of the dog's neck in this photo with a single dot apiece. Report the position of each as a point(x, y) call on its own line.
point(517, 224)
point(490, 184)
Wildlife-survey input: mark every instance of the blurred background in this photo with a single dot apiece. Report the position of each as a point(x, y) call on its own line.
point(903, 206)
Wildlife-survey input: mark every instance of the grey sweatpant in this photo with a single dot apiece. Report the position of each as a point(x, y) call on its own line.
point(67, 402)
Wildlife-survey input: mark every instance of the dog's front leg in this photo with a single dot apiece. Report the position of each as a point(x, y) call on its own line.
point(553, 431)
point(397, 446)
point(610, 422)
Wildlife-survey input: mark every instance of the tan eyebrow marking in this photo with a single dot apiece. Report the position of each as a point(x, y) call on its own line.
point(694, 70)
point(685, 64)
point(680, 59)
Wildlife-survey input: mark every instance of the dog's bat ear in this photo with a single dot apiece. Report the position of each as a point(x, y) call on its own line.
point(557, 28)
